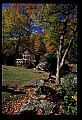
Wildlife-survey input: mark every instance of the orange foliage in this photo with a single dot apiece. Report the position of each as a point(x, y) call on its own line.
point(50, 46)
point(17, 6)
point(37, 46)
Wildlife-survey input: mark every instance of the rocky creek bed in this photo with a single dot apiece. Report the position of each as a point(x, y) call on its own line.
point(37, 99)
point(39, 104)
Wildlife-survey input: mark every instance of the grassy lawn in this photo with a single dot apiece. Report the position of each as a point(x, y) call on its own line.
point(10, 73)
point(17, 76)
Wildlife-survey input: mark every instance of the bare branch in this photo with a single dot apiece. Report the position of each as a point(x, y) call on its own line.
point(72, 29)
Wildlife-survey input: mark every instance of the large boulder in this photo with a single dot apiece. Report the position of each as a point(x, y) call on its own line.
point(42, 66)
point(36, 105)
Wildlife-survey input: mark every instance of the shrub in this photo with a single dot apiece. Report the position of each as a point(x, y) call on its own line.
point(68, 89)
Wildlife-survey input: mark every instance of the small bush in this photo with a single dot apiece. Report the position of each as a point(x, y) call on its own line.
point(68, 89)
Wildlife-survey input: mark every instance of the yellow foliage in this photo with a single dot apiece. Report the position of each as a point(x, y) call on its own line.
point(74, 97)
point(4, 10)
point(13, 38)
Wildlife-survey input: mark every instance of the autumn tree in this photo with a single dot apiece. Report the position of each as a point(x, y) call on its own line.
point(8, 49)
point(62, 20)
point(38, 45)
point(16, 20)
point(49, 42)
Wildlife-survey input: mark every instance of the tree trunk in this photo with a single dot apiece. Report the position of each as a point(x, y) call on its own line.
point(58, 69)
point(66, 51)
point(58, 64)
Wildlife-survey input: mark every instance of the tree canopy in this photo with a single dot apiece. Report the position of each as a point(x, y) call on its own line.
point(61, 21)
point(58, 21)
